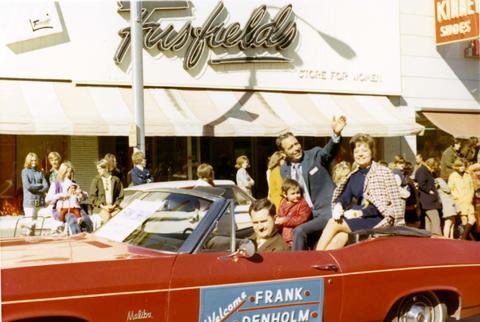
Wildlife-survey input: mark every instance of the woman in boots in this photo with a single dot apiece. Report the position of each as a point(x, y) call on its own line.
point(461, 185)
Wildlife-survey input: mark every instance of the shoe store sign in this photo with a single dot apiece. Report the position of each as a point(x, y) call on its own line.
point(456, 20)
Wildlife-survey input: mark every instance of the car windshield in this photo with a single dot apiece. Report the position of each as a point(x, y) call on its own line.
point(157, 220)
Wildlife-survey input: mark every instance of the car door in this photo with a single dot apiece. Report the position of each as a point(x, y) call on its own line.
point(285, 286)
point(290, 286)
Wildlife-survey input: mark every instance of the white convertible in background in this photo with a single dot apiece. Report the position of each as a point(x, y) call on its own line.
point(232, 191)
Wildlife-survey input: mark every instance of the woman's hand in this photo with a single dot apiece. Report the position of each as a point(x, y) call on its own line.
point(337, 212)
point(350, 214)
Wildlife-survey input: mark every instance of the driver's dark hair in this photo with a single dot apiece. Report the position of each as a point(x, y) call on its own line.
point(260, 204)
point(280, 139)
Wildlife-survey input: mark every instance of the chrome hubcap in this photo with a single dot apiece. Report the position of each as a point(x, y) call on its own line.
point(418, 313)
point(418, 309)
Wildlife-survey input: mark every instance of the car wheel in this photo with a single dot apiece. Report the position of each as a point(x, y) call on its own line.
point(420, 307)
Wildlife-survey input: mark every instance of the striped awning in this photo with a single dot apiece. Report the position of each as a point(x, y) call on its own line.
point(458, 124)
point(61, 108)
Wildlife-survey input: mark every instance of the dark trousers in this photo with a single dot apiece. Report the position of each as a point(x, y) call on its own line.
point(307, 234)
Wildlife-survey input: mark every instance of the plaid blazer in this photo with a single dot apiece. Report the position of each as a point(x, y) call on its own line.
point(382, 191)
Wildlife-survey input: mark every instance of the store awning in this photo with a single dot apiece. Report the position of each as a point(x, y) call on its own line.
point(61, 108)
point(458, 124)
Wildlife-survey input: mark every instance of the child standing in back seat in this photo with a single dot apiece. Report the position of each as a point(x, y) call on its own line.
point(293, 210)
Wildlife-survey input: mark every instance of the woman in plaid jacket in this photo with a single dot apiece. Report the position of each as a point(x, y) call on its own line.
point(368, 198)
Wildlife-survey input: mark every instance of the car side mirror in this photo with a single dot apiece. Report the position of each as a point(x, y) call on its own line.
point(246, 249)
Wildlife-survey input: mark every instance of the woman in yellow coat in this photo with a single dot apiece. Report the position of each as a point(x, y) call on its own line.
point(274, 179)
point(461, 185)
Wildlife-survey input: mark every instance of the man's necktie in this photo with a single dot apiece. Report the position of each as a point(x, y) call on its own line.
point(297, 173)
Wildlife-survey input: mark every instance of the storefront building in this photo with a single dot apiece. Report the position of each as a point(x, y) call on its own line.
point(440, 64)
point(222, 78)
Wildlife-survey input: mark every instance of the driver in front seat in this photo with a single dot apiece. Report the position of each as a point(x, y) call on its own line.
point(266, 237)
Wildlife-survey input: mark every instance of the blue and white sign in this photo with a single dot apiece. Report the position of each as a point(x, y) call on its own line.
point(283, 301)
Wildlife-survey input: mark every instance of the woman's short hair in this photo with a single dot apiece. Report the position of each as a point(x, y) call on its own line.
point(275, 159)
point(62, 170)
point(240, 160)
point(263, 203)
point(54, 156)
point(205, 171)
point(28, 159)
point(138, 157)
point(291, 184)
point(459, 162)
point(365, 139)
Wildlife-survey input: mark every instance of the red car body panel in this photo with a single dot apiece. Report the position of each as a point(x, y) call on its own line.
point(265, 268)
point(83, 285)
point(388, 269)
point(98, 280)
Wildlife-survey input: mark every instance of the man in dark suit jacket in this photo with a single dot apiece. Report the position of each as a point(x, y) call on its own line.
point(266, 237)
point(310, 169)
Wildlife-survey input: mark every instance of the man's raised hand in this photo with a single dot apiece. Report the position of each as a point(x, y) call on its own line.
point(338, 124)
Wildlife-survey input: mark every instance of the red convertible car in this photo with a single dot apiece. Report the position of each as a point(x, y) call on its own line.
point(173, 255)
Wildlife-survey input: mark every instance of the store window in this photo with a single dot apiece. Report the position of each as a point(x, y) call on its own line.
point(434, 141)
point(14, 149)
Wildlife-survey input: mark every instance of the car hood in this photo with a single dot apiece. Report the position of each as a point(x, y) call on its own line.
point(38, 251)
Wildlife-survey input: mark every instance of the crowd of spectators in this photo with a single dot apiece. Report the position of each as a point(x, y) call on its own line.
point(314, 207)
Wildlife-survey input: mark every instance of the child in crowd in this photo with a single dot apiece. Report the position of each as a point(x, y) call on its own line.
point(70, 209)
point(293, 211)
point(449, 211)
point(461, 185)
point(400, 177)
point(140, 173)
point(244, 180)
